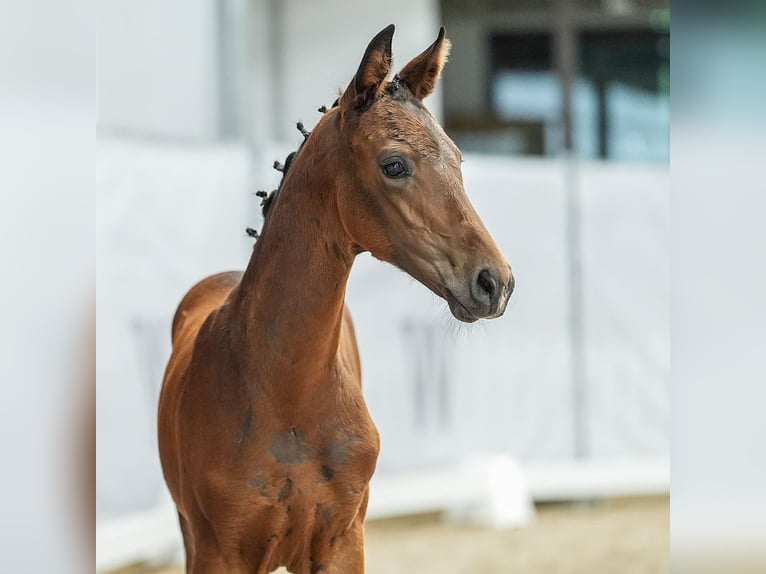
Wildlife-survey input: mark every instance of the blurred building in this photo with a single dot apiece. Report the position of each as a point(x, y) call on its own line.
point(532, 77)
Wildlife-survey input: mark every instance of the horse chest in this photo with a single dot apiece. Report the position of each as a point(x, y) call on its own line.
point(288, 464)
point(302, 495)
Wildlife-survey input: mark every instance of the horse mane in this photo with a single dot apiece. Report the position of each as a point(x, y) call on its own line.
point(395, 89)
point(268, 198)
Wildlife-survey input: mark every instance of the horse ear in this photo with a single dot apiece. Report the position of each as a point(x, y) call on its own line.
point(372, 72)
point(421, 73)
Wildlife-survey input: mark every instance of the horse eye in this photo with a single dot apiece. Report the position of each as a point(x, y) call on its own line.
point(394, 169)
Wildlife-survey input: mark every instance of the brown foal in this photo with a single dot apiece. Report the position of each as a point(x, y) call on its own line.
point(266, 442)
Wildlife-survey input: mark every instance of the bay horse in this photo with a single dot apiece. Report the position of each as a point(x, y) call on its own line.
point(266, 443)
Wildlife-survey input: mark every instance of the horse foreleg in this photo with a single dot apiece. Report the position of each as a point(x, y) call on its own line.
point(348, 557)
point(188, 541)
point(210, 561)
point(206, 556)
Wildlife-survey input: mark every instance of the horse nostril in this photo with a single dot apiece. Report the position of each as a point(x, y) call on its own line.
point(487, 283)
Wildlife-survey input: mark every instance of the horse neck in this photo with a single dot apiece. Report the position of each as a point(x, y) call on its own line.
point(291, 297)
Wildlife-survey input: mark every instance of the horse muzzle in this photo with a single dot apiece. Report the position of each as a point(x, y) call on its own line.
point(486, 296)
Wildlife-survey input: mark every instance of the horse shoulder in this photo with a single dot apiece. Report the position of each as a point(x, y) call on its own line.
point(195, 308)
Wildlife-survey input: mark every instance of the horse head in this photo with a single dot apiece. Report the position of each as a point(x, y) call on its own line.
point(404, 201)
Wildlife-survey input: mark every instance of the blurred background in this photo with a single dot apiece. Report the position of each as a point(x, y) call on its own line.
point(535, 443)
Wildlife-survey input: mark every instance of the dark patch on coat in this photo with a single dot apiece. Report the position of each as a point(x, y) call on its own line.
point(337, 452)
point(247, 426)
point(324, 516)
point(285, 491)
point(288, 448)
point(257, 482)
point(327, 473)
point(317, 567)
point(289, 532)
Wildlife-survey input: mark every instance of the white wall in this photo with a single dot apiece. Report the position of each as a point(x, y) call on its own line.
point(322, 44)
point(157, 68)
point(164, 69)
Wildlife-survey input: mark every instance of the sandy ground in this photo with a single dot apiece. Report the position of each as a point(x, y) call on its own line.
point(611, 537)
